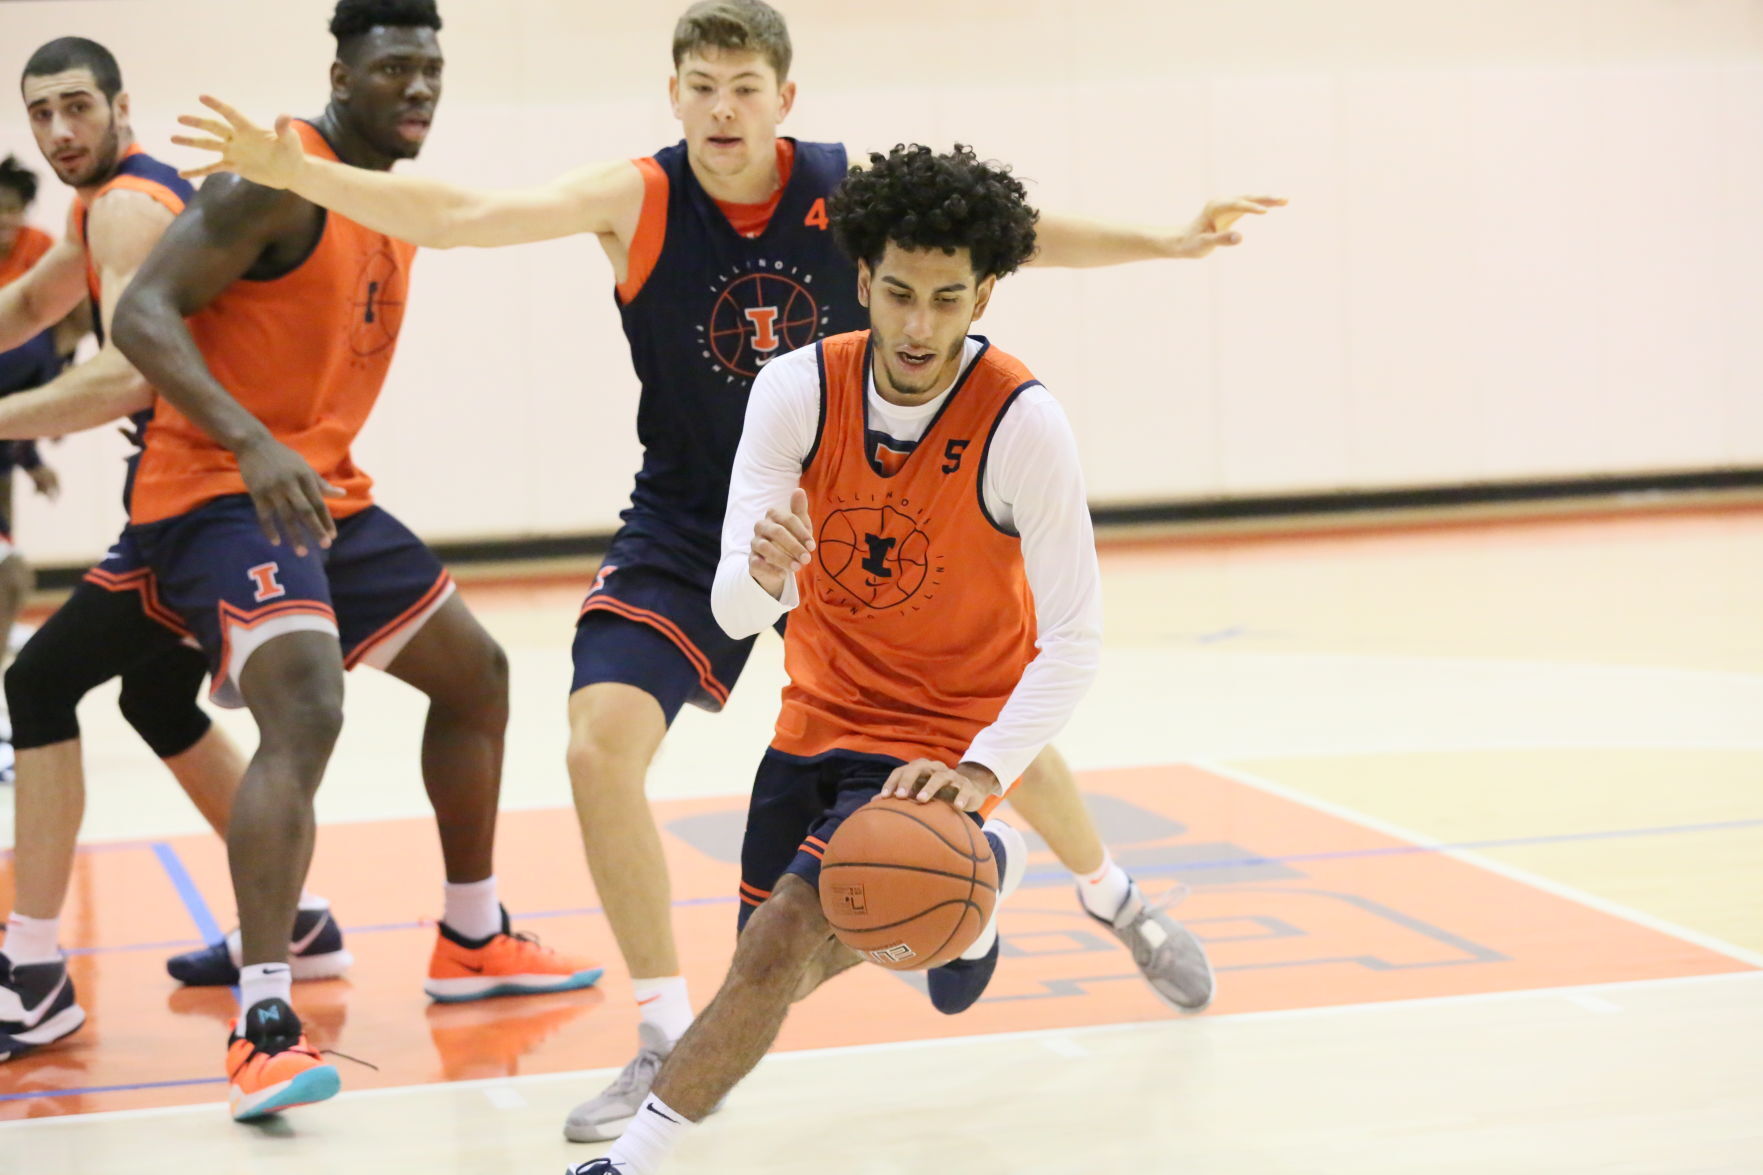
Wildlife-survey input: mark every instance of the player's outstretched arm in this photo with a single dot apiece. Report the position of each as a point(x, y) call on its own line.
point(121, 231)
point(44, 295)
point(600, 198)
point(1072, 242)
point(227, 228)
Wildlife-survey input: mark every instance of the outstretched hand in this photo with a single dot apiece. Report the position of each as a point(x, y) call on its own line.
point(271, 158)
point(1212, 228)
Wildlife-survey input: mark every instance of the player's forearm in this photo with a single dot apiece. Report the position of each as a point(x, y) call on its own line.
point(1071, 242)
point(21, 320)
point(1041, 704)
point(97, 392)
point(152, 335)
point(743, 608)
point(412, 208)
point(431, 213)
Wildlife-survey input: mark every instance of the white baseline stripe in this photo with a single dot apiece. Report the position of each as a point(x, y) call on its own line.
point(588, 1078)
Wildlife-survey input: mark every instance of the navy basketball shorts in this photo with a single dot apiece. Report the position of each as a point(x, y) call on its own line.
point(646, 627)
point(797, 805)
point(373, 589)
point(124, 569)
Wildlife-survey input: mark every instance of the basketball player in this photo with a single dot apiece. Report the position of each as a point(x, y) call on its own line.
point(113, 624)
point(686, 231)
point(908, 677)
point(266, 326)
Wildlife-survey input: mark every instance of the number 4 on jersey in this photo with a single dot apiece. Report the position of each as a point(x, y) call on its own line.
point(816, 217)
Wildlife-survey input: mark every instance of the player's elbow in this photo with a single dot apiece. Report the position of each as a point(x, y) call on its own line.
point(131, 326)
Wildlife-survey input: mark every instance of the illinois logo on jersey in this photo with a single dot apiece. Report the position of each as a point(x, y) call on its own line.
point(760, 312)
point(378, 303)
point(879, 558)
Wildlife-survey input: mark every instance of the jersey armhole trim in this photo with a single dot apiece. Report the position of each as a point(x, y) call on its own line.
point(646, 243)
point(986, 457)
point(820, 421)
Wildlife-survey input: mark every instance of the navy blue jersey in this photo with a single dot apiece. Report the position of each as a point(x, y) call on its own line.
point(137, 172)
point(716, 308)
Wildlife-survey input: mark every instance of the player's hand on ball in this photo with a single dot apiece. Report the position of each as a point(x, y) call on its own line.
point(271, 158)
point(782, 543)
point(967, 786)
point(1212, 228)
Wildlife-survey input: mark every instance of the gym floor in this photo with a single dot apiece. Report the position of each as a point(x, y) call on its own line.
point(1470, 814)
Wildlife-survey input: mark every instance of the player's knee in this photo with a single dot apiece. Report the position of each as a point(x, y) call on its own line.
point(42, 696)
point(167, 718)
point(303, 712)
point(783, 937)
point(607, 750)
point(477, 687)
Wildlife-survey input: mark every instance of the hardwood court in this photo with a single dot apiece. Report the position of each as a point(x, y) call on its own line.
point(1471, 819)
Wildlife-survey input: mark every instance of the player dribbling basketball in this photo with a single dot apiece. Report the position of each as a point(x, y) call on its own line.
point(943, 636)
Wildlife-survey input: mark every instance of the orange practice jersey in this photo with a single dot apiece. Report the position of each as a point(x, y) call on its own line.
point(167, 189)
point(305, 353)
point(916, 620)
point(26, 251)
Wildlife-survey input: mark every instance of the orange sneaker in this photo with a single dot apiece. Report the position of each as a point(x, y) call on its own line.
point(271, 1068)
point(503, 964)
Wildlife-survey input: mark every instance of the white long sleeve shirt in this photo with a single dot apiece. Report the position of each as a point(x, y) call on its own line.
point(1033, 485)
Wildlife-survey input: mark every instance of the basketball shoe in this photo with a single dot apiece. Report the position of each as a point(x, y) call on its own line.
point(604, 1118)
point(957, 986)
point(1166, 952)
point(316, 952)
point(271, 1068)
point(36, 1005)
point(462, 969)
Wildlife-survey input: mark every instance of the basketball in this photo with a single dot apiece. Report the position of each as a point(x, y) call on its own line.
point(908, 885)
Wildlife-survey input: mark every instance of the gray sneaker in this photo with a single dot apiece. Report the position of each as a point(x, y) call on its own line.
point(1171, 958)
point(604, 1118)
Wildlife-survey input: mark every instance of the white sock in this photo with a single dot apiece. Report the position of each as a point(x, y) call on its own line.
point(472, 909)
point(1104, 890)
point(264, 981)
point(32, 940)
point(645, 1143)
point(982, 945)
point(311, 901)
point(665, 1004)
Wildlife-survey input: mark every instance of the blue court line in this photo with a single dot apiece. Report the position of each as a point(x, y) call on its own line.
point(1508, 842)
point(41, 1093)
point(181, 880)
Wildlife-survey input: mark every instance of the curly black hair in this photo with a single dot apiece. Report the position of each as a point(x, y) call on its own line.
point(355, 17)
point(921, 200)
point(19, 178)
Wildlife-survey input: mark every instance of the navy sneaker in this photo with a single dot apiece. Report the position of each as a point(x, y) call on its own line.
point(594, 1167)
point(957, 986)
point(316, 953)
point(36, 1006)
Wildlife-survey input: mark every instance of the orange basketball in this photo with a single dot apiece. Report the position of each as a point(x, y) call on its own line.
point(908, 885)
